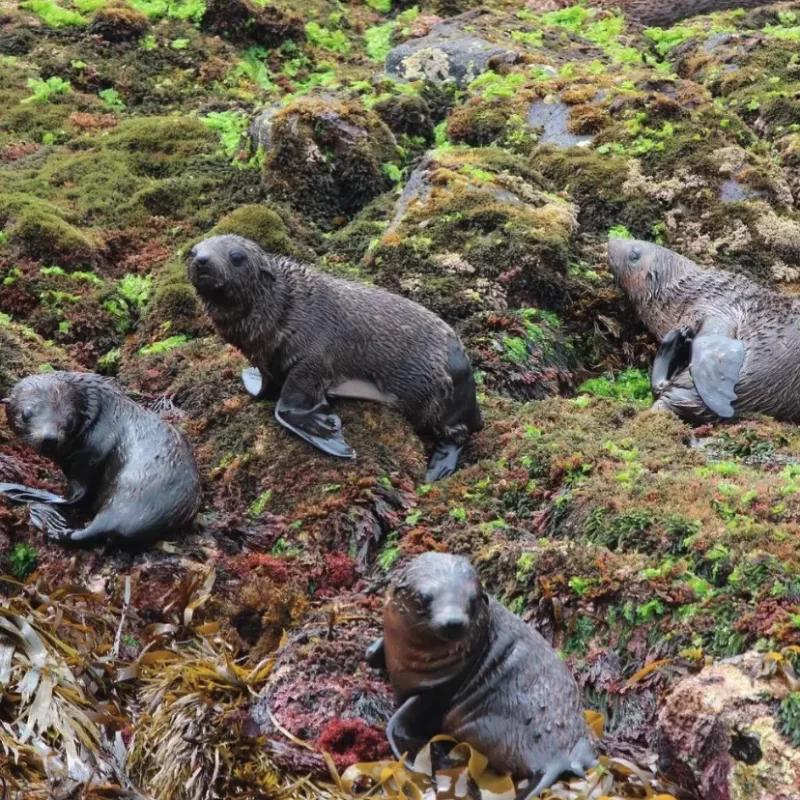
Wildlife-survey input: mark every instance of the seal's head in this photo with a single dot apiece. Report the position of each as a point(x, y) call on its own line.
point(46, 413)
point(644, 269)
point(229, 270)
point(437, 598)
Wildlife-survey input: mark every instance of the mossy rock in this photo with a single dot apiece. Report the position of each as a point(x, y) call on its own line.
point(406, 114)
point(476, 230)
point(245, 21)
point(23, 353)
point(51, 239)
point(523, 354)
point(328, 157)
point(118, 21)
point(264, 226)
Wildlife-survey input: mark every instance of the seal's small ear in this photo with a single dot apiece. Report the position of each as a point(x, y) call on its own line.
point(267, 272)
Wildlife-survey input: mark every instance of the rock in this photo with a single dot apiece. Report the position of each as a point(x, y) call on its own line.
point(244, 21)
point(260, 129)
point(551, 115)
point(448, 53)
point(475, 231)
point(328, 157)
point(717, 734)
point(406, 114)
point(119, 22)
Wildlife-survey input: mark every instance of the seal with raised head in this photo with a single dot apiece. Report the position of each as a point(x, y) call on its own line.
point(310, 336)
point(727, 345)
point(462, 664)
point(135, 472)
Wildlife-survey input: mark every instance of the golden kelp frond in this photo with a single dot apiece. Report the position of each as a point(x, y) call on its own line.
point(53, 734)
point(462, 772)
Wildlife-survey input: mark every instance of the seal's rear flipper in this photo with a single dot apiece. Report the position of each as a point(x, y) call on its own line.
point(413, 725)
point(716, 363)
point(17, 493)
point(444, 461)
point(674, 355)
point(318, 426)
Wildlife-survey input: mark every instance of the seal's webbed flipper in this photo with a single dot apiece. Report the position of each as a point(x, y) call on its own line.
point(257, 387)
point(17, 493)
point(716, 363)
point(580, 758)
point(375, 654)
point(411, 727)
point(50, 522)
point(674, 355)
point(443, 461)
point(319, 426)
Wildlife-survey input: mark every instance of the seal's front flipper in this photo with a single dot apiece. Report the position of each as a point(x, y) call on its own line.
point(50, 522)
point(674, 355)
point(375, 655)
point(257, 387)
point(318, 426)
point(444, 461)
point(580, 758)
point(716, 363)
point(17, 493)
point(413, 725)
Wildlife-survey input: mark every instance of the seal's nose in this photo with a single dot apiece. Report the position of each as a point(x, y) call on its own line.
point(453, 625)
point(201, 257)
point(49, 443)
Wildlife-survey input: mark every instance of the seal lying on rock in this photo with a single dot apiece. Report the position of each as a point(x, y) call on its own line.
point(310, 336)
point(462, 664)
point(135, 471)
point(728, 345)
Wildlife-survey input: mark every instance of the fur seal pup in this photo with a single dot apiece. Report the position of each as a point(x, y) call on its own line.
point(310, 336)
point(728, 345)
point(462, 664)
point(136, 472)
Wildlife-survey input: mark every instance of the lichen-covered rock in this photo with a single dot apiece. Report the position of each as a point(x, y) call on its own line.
point(119, 22)
point(718, 733)
point(328, 157)
point(475, 230)
point(448, 53)
point(243, 21)
point(260, 129)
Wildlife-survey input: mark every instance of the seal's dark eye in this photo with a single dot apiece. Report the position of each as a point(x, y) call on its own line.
point(635, 255)
point(27, 415)
point(425, 599)
point(237, 258)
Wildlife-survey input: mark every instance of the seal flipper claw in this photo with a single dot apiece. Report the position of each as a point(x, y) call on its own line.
point(443, 461)
point(674, 355)
point(319, 426)
point(716, 363)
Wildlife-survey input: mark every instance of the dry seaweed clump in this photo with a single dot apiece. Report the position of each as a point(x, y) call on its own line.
point(329, 158)
point(476, 230)
point(118, 21)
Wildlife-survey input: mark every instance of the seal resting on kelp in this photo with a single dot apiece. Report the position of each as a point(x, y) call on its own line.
point(462, 664)
point(134, 471)
point(727, 345)
point(310, 336)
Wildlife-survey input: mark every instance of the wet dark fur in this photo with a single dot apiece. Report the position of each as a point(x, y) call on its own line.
point(669, 291)
point(285, 316)
point(136, 472)
point(485, 677)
